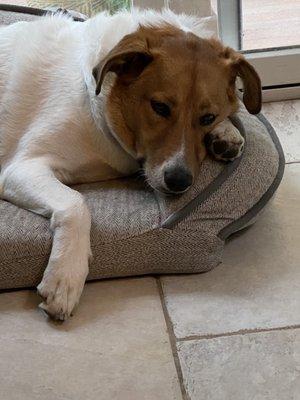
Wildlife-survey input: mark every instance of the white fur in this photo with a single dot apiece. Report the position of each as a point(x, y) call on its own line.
point(53, 131)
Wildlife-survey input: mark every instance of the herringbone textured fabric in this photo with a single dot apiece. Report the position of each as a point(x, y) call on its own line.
point(127, 237)
point(87, 7)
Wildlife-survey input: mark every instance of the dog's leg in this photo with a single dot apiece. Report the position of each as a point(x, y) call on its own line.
point(225, 142)
point(32, 185)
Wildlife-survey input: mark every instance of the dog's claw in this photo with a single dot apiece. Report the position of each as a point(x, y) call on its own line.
point(58, 317)
point(39, 293)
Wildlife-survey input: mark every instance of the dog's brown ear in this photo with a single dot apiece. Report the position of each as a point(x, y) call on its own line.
point(127, 59)
point(251, 83)
point(239, 67)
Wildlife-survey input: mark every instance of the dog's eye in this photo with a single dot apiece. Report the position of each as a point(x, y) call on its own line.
point(207, 119)
point(161, 109)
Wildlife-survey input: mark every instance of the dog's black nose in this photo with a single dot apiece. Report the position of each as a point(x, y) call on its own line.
point(178, 179)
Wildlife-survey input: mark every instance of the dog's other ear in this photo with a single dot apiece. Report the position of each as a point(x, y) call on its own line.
point(239, 67)
point(251, 84)
point(127, 59)
point(251, 81)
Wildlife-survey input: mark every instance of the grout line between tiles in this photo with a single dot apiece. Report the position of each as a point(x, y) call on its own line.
point(236, 333)
point(292, 162)
point(172, 339)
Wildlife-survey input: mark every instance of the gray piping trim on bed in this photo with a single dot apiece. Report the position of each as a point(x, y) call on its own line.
point(228, 170)
point(250, 214)
point(179, 215)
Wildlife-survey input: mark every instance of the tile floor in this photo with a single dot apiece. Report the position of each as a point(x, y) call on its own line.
point(231, 334)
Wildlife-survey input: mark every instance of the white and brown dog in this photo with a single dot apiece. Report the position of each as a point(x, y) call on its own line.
point(91, 101)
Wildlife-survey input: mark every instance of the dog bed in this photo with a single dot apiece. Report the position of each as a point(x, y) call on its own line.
point(136, 231)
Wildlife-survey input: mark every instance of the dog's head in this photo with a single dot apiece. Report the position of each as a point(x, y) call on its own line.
point(172, 88)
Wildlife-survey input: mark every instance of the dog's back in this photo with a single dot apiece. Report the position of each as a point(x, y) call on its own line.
point(35, 71)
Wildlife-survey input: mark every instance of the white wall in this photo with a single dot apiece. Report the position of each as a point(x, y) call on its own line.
point(201, 7)
point(157, 4)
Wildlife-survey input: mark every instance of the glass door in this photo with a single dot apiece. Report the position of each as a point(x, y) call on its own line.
point(268, 33)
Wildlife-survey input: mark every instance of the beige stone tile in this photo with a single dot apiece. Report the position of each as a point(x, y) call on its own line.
point(285, 118)
point(243, 367)
point(115, 347)
point(258, 284)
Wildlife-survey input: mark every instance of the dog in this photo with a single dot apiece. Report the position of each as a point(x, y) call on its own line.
point(100, 99)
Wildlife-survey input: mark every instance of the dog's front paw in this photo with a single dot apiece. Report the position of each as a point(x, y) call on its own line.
point(225, 144)
point(60, 291)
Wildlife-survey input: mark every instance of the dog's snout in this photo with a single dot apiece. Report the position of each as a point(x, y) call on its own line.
point(178, 179)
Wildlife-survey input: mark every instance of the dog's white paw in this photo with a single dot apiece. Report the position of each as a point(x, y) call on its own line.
point(61, 291)
point(225, 144)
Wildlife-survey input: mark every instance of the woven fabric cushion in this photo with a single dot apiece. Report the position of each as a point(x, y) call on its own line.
point(136, 231)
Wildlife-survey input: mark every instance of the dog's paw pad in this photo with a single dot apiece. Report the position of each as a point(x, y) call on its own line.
point(219, 146)
point(224, 150)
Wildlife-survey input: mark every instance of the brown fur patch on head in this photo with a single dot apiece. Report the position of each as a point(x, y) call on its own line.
point(169, 82)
